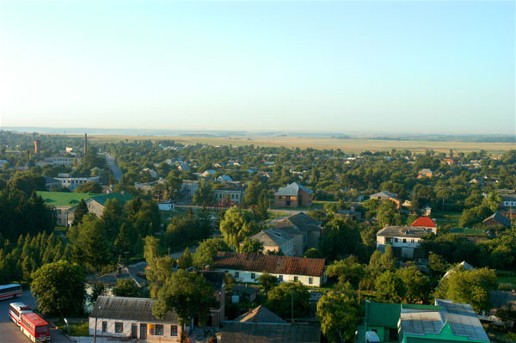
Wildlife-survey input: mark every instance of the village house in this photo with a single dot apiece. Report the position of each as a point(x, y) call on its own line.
point(293, 195)
point(230, 193)
point(264, 326)
point(425, 173)
point(387, 196)
point(249, 267)
point(126, 318)
point(426, 223)
point(97, 203)
point(404, 240)
point(275, 240)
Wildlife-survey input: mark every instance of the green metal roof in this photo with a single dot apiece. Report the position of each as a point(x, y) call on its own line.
point(102, 198)
point(64, 199)
point(380, 314)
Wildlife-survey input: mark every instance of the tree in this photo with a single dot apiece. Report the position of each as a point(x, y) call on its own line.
point(389, 288)
point(159, 268)
point(207, 250)
point(468, 287)
point(235, 226)
point(251, 246)
point(289, 298)
point(189, 294)
point(80, 211)
point(340, 237)
point(204, 195)
point(416, 285)
point(388, 214)
point(127, 288)
point(267, 282)
point(59, 288)
point(347, 270)
point(337, 310)
point(185, 261)
point(89, 187)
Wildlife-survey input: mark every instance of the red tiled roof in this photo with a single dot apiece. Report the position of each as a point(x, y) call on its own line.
point(424, 221)
point(272, 264)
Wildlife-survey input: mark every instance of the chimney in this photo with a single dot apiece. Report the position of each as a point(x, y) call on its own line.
point(37, 146)
point(85, 144)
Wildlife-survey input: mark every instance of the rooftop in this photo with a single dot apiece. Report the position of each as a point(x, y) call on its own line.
point(403, 231)
point(64, 199)
point(125, 308)
point(292, 189)
point(424, 222)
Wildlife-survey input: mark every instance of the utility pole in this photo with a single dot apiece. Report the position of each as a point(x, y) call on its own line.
point(292, 306)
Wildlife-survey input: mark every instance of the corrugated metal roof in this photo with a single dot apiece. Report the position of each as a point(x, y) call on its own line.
point(272, 264)
point(260, 314)
point(125, 308)
point(235, 332)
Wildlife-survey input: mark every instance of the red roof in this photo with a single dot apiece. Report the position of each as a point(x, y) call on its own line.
point(424, 221)
point(272, 264)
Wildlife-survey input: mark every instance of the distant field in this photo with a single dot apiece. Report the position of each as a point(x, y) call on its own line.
point(352, 145)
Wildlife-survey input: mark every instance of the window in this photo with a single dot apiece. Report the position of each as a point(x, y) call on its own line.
point(104, 326)
point(395, 240)
point(119, 327)
point(237, 274)
point(159, 330)
point(253, 276)
point(310, 280)
point(173, 330)
point(404, 240)
point(280, 278)
point(296, 278)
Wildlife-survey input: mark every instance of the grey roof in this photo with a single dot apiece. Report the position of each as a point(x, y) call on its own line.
point(260, 314)
point(125, 308)
point(499, 218)
point(403, 231)
point(301, 221)
point(135, 272)
point(383, 195)
point(292, 189)
point(461, 319)
point(272, 236)
point(236, 332)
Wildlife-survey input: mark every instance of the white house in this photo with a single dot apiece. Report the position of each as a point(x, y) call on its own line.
point(404, 240)
point(126, 318)
point(249, 267)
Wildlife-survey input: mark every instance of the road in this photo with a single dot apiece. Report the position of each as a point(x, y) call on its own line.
point(9, 332)
point(117, 172)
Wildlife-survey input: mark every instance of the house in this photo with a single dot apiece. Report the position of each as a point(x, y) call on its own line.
point(230, 193)
point(189, 187)
point(217, 313)
point(224, 179)
point(59, 161)
point(64, 204)
point(301, 223)
point(425, 173)
point(275, 240)
point(97, 203)
point(243, 293)
point(66, 181)
point(404, 240)
point(125, 318)
point(294, 195)
point(407, 323)
point(387, 196)
point(508, 200)
point(446, 321)
point(425, 222)
point(249, 267)
point(497, 219)
point(134, 272)
point(261, 325)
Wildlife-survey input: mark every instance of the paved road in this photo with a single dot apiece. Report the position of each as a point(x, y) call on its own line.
point(9, 332)
point(117, 172)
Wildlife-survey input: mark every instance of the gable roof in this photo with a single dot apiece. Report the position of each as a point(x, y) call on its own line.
point(260, 314)
point(403, 231)
point(424, 221)
point(383, 195)
point(271, 264)
point(103, 198)
point(64, 199)
point(273, 236)
point(125, 308)
point(499, 218)
point(292, 189)
point(301, 221)
point(460, 318)
point(236, 332)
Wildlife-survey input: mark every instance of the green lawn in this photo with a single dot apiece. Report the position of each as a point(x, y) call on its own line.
point(506, 279)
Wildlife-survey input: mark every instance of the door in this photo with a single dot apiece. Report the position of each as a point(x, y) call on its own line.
point(134, 330)
point(143, 331)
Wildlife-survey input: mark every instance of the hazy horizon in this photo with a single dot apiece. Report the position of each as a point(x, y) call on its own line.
point(336, 67)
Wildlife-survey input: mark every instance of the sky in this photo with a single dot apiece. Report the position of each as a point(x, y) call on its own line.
point(311, 66)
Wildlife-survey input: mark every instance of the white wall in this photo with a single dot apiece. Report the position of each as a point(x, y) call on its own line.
point(245, 276)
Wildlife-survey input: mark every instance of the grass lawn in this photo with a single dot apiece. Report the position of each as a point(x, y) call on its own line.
point(450, 219)
point(506, 279)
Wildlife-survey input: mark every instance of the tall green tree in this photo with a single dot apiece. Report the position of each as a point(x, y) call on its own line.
point(337, 310)
point(207, 250)
point(289, 299)
point(59, 288)
point(189, 294)
point(235, 226)
point(80, 211)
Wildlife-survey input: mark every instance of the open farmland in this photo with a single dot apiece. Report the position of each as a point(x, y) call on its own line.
point(351, 145)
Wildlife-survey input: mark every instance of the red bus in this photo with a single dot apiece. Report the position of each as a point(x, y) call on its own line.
point(10, 291)
point(35, 327)
point(16, 310)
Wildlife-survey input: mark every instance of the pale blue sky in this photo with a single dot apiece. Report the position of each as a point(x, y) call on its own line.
point(339, 66)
